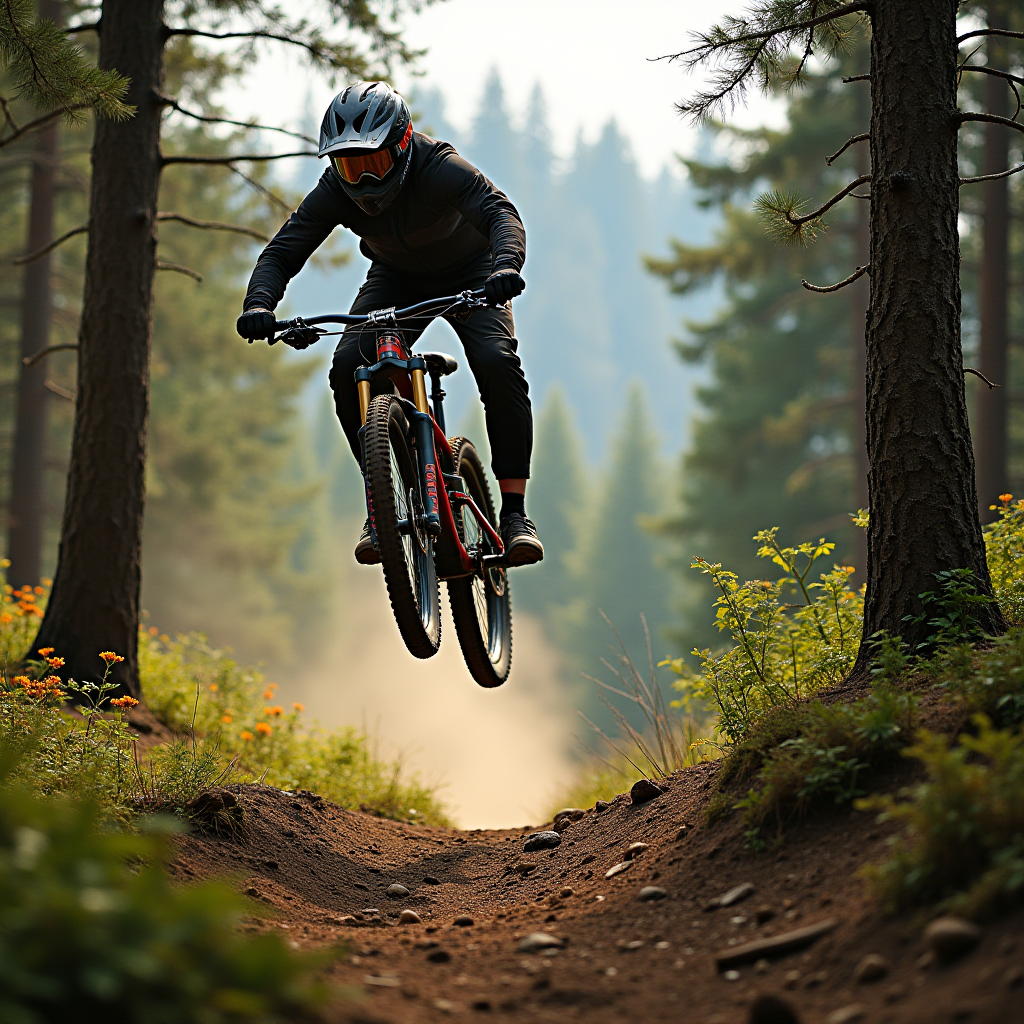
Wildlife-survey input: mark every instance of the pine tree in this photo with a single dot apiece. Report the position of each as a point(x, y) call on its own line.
point(557, 502)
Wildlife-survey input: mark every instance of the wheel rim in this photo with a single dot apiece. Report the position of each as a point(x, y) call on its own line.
point(415, 543)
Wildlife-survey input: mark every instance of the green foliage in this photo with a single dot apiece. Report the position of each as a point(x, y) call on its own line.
point(48, 71)
point(963, 826)
point(92, 929)
point(952, 611)
point(815, 752)
point(202, 692)
point(778, 210)
point(781, 652)
point(989, 682)
point(1004, 547)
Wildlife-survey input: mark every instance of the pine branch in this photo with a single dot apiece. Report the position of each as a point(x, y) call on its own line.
point(760, 44)
point(822, 289)
point(322, 51)
point(243, 157)
point(214, 225)
point(44, 352)
point(978, 373)
point(830, 160)
point(179, 269)
point(1011, 80)
point(175, 105)
point(988, 32)
point(992, 177)
point(262, 190)
point(49, 71)
point(781, 212)
point(50, 246)
point(990, 119)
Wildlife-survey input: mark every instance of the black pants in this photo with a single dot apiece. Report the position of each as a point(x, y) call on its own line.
point(488, 339)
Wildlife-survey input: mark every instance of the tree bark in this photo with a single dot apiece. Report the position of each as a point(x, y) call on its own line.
point(924, 507)
point(94, 605)
point(859, 297)
point(25, 531)
point(991, 443)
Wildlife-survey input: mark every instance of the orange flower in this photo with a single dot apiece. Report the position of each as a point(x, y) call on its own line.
point(153, 631)
point(5, 618)
point(55, 662)
point(848, 569)
point(268, 693)
point(46, 651)
point(38, 590)
point(263, 728)
point(110, 657)
point(246, 735)
point(1006, 498)
point(299, 707)
point(214, 687)
point(21, 680)
point(226, 719)
point(124, 702)
point(274, 712)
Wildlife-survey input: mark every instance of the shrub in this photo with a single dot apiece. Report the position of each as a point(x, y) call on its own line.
point(1004, 544)
point(963, 838)
point(781, 651)
point(203, 693)
point(93, 930)
point(989, 682)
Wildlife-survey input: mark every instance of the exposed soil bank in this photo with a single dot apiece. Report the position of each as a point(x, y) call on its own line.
point(322, 870)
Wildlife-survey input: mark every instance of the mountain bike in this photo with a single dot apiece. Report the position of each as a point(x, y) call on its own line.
point(427, 497)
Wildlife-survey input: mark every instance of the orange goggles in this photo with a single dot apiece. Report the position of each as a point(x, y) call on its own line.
point(376, 165)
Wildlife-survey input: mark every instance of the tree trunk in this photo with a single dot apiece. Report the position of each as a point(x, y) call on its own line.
point(859, 297)
point(25, 535)
point(94, 605)
point(991, 430)
point(924, 507)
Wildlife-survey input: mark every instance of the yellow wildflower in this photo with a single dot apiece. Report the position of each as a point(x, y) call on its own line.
point(110, 657)
point(124, 702)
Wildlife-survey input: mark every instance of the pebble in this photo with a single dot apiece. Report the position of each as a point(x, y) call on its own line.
point(409, 917)
point(764, 914)
point(731, 976)
point(396, 891)
point(635, 849)
point(651, 892)
point(463, 921)
point(683, 832)
point(617, 869)
point(762, 966)
point(566, 892)
point(644, 790)
point(439, 956)
point(601, 805)
point(950, 938)
point(772, 1010)
point(542, 841)
point(848, 1014)
point(791, 979)
point(431, 880)
point(536, 941)
point(871, 968)
point(633, 945)
point(736, 894)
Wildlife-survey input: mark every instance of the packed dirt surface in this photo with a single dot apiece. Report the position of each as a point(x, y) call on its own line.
point(323, 875)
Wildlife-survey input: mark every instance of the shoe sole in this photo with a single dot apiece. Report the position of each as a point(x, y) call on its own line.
point(367, 555)
point(525, 553)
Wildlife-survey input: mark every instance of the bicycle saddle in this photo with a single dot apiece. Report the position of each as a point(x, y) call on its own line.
point(439, 363)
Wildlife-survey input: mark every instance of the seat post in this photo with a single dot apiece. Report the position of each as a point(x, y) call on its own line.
point(437, 396)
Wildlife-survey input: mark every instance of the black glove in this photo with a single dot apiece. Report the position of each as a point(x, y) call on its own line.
point(503, 285)
point(256, 324)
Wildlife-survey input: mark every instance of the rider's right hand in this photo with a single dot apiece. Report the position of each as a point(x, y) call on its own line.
point(256, 324)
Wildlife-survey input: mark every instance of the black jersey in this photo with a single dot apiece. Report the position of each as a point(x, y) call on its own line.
point(448, 217)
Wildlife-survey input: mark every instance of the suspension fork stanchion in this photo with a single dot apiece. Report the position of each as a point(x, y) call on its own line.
point(423, 432)
point(437, 397)
point(362, 376)
point(417, 368)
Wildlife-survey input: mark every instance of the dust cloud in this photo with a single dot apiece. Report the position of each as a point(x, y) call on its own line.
point(501, 755)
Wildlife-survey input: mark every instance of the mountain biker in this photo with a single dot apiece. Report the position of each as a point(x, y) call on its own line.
point(431, 224)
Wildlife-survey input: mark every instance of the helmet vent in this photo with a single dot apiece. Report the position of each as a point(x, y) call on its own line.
point(357, 124)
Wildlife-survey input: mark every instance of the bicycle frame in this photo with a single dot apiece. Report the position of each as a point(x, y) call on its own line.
point(407, 373)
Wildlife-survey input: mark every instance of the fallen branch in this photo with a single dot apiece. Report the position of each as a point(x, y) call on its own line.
point(179, 269)
point(978, 373)
point(822, 289)
point(992, 177)
point(214, 225)
point(50, 246)
point(846, 145)
point(242, 158)
point(44, 352)
point(777, 945)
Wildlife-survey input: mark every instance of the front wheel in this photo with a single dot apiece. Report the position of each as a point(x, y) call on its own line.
point(481, 606)
point(406, 549)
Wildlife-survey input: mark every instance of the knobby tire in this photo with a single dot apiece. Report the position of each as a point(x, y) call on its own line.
point(481, 609)
point(407, 559)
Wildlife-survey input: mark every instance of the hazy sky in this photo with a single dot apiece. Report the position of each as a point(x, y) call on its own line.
point(590, 56)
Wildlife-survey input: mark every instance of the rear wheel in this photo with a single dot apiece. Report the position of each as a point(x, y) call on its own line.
point(481, 606)
point(406, 549)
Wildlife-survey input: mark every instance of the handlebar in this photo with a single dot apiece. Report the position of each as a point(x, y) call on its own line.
point(305, 330)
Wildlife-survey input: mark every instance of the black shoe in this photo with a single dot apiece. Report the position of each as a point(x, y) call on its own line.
point(366, 553)
point(519, 535)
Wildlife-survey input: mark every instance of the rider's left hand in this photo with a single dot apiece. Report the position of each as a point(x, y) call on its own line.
point(503, 285)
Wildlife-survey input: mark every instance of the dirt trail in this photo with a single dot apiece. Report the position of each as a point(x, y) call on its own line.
point(323, 869)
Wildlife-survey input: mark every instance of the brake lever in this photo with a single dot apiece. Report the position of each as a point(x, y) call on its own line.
point(299, 335)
